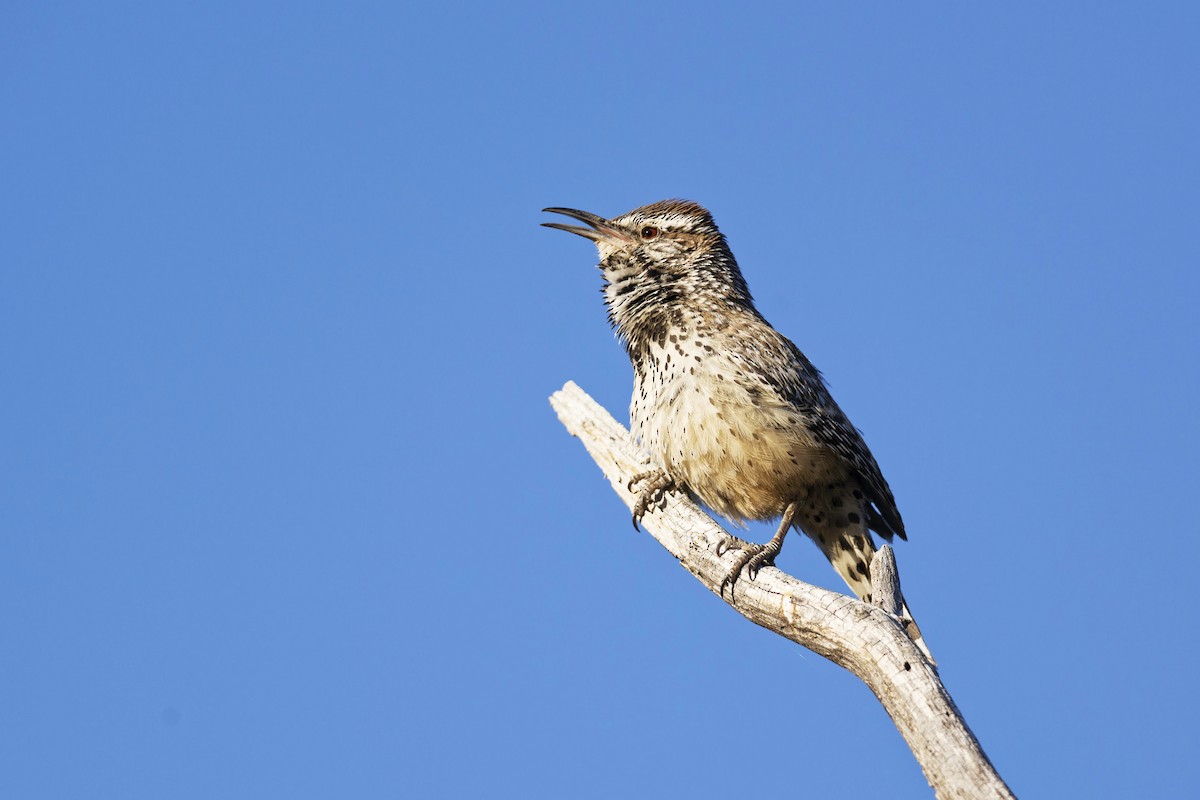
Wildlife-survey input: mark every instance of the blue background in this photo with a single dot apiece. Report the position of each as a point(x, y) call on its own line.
point(285, 512)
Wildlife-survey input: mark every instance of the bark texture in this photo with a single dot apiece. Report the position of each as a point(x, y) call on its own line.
point(865, 639)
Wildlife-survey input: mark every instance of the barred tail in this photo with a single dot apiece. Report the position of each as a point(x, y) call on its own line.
point(850, 551)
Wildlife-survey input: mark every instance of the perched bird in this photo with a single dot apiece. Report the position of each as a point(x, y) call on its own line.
point(729, 410)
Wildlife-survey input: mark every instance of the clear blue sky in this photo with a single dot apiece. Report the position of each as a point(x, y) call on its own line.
point(285, 512)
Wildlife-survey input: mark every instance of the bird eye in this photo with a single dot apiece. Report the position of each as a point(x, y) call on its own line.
point(649, 232)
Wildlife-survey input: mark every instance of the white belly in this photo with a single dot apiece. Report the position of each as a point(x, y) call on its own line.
point(742, 450)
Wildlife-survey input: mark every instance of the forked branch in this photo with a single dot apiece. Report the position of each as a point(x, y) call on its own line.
point(865, 639)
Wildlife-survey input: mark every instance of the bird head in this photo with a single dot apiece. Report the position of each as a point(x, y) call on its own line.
point(658, 258)
point(664, 233)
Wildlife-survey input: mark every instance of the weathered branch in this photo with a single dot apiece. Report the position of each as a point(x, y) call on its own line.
point(864, 639)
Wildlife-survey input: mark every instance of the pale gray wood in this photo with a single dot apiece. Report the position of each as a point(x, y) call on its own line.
point(885, 581)
point(862, 638)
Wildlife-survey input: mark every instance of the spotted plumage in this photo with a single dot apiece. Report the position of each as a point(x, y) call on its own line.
point(729, 409)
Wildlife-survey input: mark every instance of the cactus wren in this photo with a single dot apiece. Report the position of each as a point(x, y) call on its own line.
point(730, 410)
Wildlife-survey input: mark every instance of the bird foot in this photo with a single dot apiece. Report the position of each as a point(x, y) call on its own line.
point(752, 558)
point(653, 494)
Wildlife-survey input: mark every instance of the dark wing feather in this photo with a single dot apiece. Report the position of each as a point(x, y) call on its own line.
point(801, 384)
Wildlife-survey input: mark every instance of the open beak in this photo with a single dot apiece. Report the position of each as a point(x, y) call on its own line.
point(600, 229)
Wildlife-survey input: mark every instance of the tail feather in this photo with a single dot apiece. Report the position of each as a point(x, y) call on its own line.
point(850, 551)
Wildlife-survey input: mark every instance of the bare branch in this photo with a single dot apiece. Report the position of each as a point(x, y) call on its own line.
point(885, 581)
point(864, 639)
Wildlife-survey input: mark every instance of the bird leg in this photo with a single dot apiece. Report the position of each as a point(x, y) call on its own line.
point(653, 494)
point(756, 556)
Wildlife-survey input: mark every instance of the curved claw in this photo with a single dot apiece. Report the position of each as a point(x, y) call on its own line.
point(730, 580)
point(641, 476)
point(754, 557)
point(654, 495)
point(726, 581)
